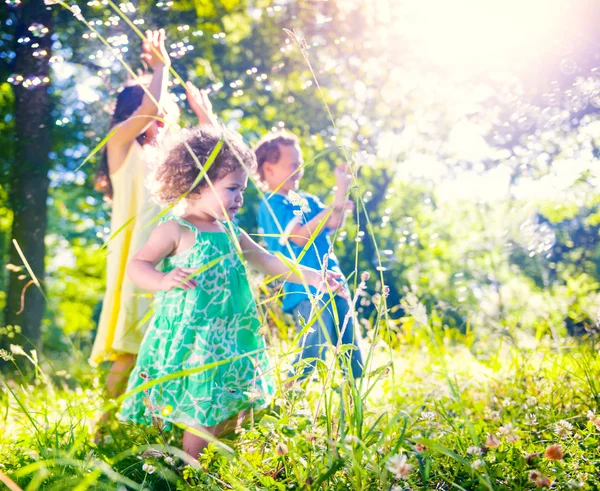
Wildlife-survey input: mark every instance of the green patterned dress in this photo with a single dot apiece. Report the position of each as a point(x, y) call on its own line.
point(209, 333)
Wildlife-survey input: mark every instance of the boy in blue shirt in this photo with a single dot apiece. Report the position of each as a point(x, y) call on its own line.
point(289, 218)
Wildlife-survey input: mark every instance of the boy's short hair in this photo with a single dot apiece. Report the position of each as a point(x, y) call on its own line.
point(177, 170)
point(267, 149)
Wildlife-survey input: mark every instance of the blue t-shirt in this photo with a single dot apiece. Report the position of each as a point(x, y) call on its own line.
point(277, 216)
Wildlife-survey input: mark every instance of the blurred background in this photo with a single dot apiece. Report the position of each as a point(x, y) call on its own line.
point(474, 126)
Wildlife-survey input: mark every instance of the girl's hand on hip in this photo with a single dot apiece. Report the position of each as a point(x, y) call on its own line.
point(154, 51)
point(178, 278)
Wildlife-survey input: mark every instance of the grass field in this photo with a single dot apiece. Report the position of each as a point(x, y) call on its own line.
point(438, 411)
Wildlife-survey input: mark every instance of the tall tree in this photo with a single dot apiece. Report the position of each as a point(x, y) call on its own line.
point(29, 174)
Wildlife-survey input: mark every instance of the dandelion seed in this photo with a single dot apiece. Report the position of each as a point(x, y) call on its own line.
point(492, 441)
point(554, 452)
point(398, 466)
point(281, 449)
point(148, 468)
point(563, 428)
point(478, 464)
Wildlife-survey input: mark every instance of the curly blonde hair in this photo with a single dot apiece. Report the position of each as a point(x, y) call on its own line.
point(177, 170)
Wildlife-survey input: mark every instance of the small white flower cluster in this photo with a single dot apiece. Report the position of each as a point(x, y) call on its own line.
point(563, 428)
point(531, 419)
point(474, 451)
point(148, 468)
point(298, 200)
point(397, 465)
point(594, 418)
point(428, 416)
point(76, 11)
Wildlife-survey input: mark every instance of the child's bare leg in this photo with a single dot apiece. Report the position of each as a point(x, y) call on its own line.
point(195, 444)
point(116, 380)
point(116, 383)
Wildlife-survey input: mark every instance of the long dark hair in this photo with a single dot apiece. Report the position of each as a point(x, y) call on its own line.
point(128, 100)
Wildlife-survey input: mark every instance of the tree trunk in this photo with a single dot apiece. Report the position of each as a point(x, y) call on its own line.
point(29, 176)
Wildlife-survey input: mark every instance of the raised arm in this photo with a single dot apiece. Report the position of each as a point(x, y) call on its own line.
point(142, 268)
point(200, 104)
point(155, 54)
point(269, 264)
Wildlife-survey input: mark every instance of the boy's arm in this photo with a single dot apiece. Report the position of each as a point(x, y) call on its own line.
point(271, 265)
point(142, 267)
point(333, 215)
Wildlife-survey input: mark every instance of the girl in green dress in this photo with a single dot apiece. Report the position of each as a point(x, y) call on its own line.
point(204, 333)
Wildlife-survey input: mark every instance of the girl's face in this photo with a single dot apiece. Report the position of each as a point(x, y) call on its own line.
point(223, 200)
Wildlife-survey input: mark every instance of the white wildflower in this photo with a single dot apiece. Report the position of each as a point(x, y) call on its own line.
point(17, 350)
point(148, 468)
point(531, 419)
point(563, 428)
point(6, 356)
point(474, 450)
point(298, 200)
point(397, 465)
point(531, 401)
point(506, 429)
point(352, 439)
point(76, 11)
point(428, 416)
point(478, 464)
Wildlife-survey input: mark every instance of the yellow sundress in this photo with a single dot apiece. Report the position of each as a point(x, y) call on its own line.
point(125, 307)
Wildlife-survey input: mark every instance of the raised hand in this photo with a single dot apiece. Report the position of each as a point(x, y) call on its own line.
point(343, 178)
point(154, 52)
point(178, 278)
point(200, 103)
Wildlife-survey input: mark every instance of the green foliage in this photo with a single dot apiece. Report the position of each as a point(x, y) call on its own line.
point(437, 412)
